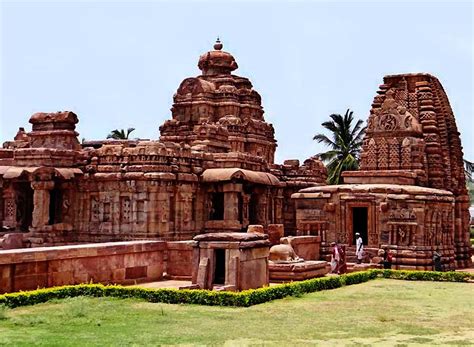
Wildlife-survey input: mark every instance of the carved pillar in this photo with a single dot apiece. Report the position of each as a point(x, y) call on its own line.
point(245, 209)
point(152, 209)
point(41, 200)
point(67, 213)
point(231, 201)
point(278, 208)
point(262, 212)
point(9, 207)
point(164, 210)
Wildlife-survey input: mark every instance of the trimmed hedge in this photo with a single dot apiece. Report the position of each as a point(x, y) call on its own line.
point(206, 297)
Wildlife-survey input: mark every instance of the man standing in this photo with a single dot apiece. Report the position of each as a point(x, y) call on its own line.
point(359, 248)
point(335, 257)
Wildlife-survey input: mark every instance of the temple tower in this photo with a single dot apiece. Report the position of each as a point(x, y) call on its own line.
point(219, 112)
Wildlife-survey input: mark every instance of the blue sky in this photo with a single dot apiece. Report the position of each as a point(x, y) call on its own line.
point(118, 64)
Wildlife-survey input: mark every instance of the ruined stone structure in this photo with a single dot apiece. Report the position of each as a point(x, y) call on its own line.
point(410, 193)
point(231, 261)
point(211, 171)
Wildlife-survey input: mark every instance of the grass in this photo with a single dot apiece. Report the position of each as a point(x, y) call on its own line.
point(382, 311)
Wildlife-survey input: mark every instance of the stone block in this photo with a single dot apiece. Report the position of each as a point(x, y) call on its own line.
point(154, 272)
point(256, 229)
point(203, 273)
point(12, 241)
point(253, 274)
point(275, 232)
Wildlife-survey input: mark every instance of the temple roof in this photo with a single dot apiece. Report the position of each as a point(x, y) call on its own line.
point(217, 62)
point(228, 174)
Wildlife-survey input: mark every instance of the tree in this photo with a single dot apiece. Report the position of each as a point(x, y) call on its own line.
point(345, 143)
point(120, 134)
point(469, 170)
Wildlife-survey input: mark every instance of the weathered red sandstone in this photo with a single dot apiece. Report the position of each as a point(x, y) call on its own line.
point(211, 171)
point(410, 193)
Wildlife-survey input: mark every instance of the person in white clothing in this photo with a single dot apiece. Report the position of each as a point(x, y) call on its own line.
point(335, 258)
point(359, 248)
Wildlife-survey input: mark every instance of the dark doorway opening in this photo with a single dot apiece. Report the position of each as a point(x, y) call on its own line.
point(241, 208)
point(360, 223)
point(219, 271)
point(217, 206)
point(55, 206)
point(24, 205)
point(253, 209)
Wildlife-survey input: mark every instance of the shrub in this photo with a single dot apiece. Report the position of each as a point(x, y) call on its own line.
point(449, 276)
point(206, 297)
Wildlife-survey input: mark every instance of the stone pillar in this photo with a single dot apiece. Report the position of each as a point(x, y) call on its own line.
point(164, 210)
point(231, 201)
point(67, 205)
point(278, 213)
point(262, 212)
point(41, 198)
point(245, 209)
point(9, 208)
point(152, 210)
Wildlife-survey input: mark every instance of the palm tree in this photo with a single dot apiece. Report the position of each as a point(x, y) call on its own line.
point(120, 134)
point(345, 145)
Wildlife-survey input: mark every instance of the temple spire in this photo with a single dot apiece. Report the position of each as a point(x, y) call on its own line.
point(218, 45)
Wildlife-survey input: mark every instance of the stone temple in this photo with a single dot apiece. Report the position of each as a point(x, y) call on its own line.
point(211, 176)
point(212, 170)
point(410, 193)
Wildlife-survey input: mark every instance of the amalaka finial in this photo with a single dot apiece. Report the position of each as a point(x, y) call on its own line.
point(218, 45)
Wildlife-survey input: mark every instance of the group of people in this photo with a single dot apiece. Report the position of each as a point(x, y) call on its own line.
point(384, 258)
point(338, 256)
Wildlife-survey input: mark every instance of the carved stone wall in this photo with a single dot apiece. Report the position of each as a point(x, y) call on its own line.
point(411, 127)
point(409, 219)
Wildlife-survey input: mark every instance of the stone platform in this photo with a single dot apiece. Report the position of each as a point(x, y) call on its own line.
point(297, 271)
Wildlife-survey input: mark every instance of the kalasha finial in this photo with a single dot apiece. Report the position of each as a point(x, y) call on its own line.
point(218, 45)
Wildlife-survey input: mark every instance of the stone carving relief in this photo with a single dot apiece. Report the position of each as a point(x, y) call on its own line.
point(125, 209)
point(95, 209)
point(402, 214)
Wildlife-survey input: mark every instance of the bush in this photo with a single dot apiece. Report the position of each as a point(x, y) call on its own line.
point(206, 297)
point(449, 276)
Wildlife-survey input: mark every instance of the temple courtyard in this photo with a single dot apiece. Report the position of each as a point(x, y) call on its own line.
point(380, 312)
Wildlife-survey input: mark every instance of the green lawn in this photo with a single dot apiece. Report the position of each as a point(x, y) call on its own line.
point(381, 312)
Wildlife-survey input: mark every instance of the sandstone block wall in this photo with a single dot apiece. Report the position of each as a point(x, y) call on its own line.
point(119, 262)
point(179, 261)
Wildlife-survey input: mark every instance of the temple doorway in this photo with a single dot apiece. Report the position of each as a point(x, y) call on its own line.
point(24, 203)
point(219, 270)
point(253, 209)
point(55, 206)
point(217, 206)
point(360, 223)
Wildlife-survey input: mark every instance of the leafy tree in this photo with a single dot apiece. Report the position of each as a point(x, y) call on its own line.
point(120, 134)
point(469, 170)
point(345, 143)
